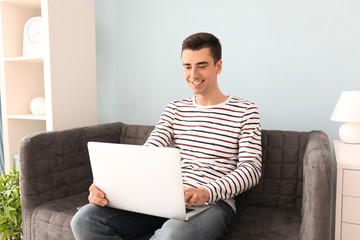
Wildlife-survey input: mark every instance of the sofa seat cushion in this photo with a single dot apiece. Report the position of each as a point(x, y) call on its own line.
point(51, 220)
point(260, 223)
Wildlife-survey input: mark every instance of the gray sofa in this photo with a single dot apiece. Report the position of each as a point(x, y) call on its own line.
point(292, 201)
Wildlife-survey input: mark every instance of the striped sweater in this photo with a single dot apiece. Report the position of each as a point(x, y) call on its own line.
point(220, 146)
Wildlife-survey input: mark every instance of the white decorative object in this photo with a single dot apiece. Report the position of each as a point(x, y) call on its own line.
point(32, 45)
point(37, 106)
point(348, 110)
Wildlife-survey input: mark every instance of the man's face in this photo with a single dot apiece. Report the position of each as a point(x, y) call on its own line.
point(200, 72)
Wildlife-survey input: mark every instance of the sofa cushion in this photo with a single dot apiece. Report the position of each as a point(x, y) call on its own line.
point(280, 185)
point(135, 134)
point(257, 223)
point(51, 220)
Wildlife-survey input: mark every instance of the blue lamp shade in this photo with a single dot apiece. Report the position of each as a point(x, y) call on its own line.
point(347, 110)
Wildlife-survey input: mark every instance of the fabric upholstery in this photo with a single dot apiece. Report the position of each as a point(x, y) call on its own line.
point(265, 223)
point(318, 169)
point(292, 200)
point(55, 165)
point(51, 220)
point(282, 175)
point(135, 134)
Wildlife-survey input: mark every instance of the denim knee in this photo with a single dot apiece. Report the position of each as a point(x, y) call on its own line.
point(78, 222)
point(87, 223)
point(212, 224)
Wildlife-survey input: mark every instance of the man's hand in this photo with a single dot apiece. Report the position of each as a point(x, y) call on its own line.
point(97, 197)
point(196, 195)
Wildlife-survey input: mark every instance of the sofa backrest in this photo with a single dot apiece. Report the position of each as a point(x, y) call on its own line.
point(135, 134)
point(55, 164)
point(282, 170)
point(281, 182)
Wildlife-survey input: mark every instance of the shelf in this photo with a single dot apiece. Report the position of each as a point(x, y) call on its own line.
point(32, 4)
point(24, 59)
point(59, 77)
point(27, 117)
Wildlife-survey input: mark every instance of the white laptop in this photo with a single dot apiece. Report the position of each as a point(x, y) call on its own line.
point(141, 179)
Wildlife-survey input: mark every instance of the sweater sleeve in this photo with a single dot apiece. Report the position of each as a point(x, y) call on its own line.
point(248, 171)
point(163, 132)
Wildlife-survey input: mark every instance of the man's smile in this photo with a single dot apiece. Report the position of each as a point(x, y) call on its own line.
point(197, 83)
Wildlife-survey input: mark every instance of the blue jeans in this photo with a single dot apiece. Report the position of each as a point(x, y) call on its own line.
point(94, 222)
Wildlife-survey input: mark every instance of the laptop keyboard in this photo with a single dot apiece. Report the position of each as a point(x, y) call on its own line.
point(189, 210)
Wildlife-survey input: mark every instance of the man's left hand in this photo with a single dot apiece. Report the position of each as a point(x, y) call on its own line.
point(196, 195)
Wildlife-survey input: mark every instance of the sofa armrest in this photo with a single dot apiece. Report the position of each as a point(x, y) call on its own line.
point(55, 165)
point(317, 188)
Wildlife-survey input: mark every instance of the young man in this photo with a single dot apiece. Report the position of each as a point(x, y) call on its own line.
point(220, 141)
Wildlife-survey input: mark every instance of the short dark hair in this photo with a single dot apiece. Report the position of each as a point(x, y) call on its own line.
point(201, 40)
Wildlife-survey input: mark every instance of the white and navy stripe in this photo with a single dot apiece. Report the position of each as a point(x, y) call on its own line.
point(220, 145)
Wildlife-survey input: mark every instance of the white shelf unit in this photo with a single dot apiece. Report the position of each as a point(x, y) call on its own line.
point(65, 76)
point(24, 59)
point(347, 221)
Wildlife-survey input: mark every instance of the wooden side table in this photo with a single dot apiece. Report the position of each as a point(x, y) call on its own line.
point(347, 222)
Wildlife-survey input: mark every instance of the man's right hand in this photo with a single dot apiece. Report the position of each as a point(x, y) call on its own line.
point(97, 197)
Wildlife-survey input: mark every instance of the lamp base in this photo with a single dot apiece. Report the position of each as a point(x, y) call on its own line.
point(350, 133)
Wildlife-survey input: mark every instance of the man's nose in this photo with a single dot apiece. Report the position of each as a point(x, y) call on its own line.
point(194, 74)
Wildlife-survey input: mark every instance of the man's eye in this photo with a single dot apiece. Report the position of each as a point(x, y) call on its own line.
point(202, 66)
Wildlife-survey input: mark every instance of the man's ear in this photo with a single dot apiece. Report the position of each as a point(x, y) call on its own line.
point(218, 66)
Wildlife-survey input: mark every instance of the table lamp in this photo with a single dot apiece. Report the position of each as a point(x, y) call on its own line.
point(348, 110)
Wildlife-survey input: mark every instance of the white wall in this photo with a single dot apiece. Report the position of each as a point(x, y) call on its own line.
point(292, 58)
